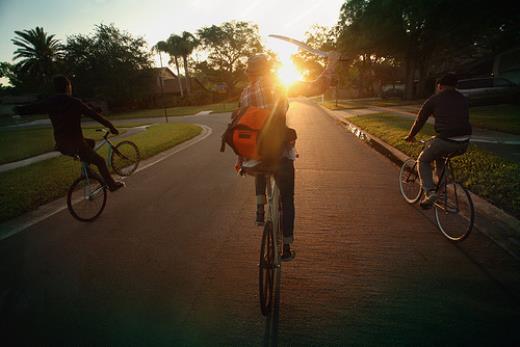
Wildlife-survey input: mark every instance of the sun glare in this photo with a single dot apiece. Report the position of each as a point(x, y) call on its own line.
point(288, 74)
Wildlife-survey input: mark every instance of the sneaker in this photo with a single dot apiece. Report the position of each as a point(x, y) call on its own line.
point(288, 254)
point(260, 214)
point(115, 186)
point(429, 198)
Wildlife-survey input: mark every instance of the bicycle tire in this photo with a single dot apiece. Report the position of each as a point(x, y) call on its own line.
point(266, 269)
point(84, 195)
point(409, 183)
point(454, 212)
point(125, 158)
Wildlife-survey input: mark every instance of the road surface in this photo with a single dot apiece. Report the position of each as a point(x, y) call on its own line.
point(173, 260)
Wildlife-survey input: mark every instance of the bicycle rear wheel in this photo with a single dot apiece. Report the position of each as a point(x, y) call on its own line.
point(409, 183)
point(125, 158)
point(454, 212)
point(266, 269)
point(86, 198)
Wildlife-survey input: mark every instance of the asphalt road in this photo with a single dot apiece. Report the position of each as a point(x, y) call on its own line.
point(173, 260)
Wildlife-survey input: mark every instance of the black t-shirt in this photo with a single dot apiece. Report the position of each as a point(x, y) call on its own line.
point(65, 113)
point(451, 112)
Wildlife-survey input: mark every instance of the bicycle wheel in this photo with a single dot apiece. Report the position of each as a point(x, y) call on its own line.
point(409, 182)
point(86, 198)
point(266, 269)
point(454, 212)
point(125, 158)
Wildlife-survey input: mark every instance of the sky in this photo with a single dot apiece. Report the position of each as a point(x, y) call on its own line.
point(155, 20)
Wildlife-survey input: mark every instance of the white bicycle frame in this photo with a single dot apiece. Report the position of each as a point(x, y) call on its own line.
point(273, 214)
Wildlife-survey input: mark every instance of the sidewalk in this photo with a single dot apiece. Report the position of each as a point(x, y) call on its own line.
point(490, 220)
point(503, 144)
point(54, 154)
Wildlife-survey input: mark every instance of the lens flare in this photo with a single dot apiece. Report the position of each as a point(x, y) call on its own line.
point(288, 74)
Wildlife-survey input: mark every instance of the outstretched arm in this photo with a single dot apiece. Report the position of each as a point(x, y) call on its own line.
point(34, 108)
point(319, 85)
point(88, 111)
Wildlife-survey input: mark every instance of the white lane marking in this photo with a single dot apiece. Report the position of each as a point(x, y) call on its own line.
point(10, 228)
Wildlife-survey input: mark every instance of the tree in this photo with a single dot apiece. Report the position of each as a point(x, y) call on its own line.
point(188, 43)
point(427, 37)
point(319, 37)
point(108, 64)
point(228, 47)
point(171, 46)
point(38, 54)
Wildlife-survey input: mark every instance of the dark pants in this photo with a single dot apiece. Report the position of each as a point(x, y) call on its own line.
point(284, 177)
point(86, 153)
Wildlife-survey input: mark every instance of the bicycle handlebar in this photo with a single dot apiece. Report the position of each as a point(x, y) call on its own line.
point(106, 132)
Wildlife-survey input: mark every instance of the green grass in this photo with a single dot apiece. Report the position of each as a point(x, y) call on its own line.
point(17, 144)
point(174, 111)
point(504, 118)
point(484, 173)
point(26, 188)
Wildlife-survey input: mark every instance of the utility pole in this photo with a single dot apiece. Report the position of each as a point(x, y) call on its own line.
point(162, 89)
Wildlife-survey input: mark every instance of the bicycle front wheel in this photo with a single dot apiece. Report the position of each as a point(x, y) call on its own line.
point(86, 198)
point(125, 158)
point(454, 212)
point(409, 183)
point(266, 269)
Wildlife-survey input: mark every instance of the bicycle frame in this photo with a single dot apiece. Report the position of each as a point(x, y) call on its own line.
point(273, 214)
point(445, 176)
point(110, 148)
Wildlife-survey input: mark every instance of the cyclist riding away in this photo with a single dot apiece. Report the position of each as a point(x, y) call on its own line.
point(276, 141)
point(65, 113)
point(451, 112)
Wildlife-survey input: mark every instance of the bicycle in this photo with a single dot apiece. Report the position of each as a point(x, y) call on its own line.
point(454, 211)
point(87, 195)
point(270, 247)
point(271, 243)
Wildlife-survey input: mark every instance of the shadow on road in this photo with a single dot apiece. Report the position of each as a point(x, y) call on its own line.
point(273, 318)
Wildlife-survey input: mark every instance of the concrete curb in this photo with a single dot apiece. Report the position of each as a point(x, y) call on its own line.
point(490, 220)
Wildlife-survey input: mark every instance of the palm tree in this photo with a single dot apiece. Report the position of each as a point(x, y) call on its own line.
point(167, 47)
point(175, 50)
point(38, 53)
point(188, 44)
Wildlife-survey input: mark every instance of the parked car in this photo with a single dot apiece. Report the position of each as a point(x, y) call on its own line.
point(489, 91)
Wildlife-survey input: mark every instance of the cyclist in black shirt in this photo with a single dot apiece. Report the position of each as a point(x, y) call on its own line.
point(65, 113)
point(451, 112)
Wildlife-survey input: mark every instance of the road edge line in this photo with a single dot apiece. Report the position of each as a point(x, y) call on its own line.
point(43, 212)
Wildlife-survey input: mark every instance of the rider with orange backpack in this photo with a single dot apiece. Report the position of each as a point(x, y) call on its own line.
point(259, 135)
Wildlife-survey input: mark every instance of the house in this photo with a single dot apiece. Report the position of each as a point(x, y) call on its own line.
point(170, 82)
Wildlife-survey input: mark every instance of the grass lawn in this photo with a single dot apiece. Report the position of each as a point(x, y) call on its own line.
point(174, 111)
point(26, 188)
point(504, 118)
point(17, 144)
point(484, 173)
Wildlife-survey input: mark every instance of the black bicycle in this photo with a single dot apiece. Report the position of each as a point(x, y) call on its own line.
point(454, 211)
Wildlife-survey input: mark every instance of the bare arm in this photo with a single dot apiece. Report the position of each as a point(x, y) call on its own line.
point(319, 85)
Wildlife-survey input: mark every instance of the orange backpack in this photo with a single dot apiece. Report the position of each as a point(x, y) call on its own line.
point(257, 133)
point(245, 131)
